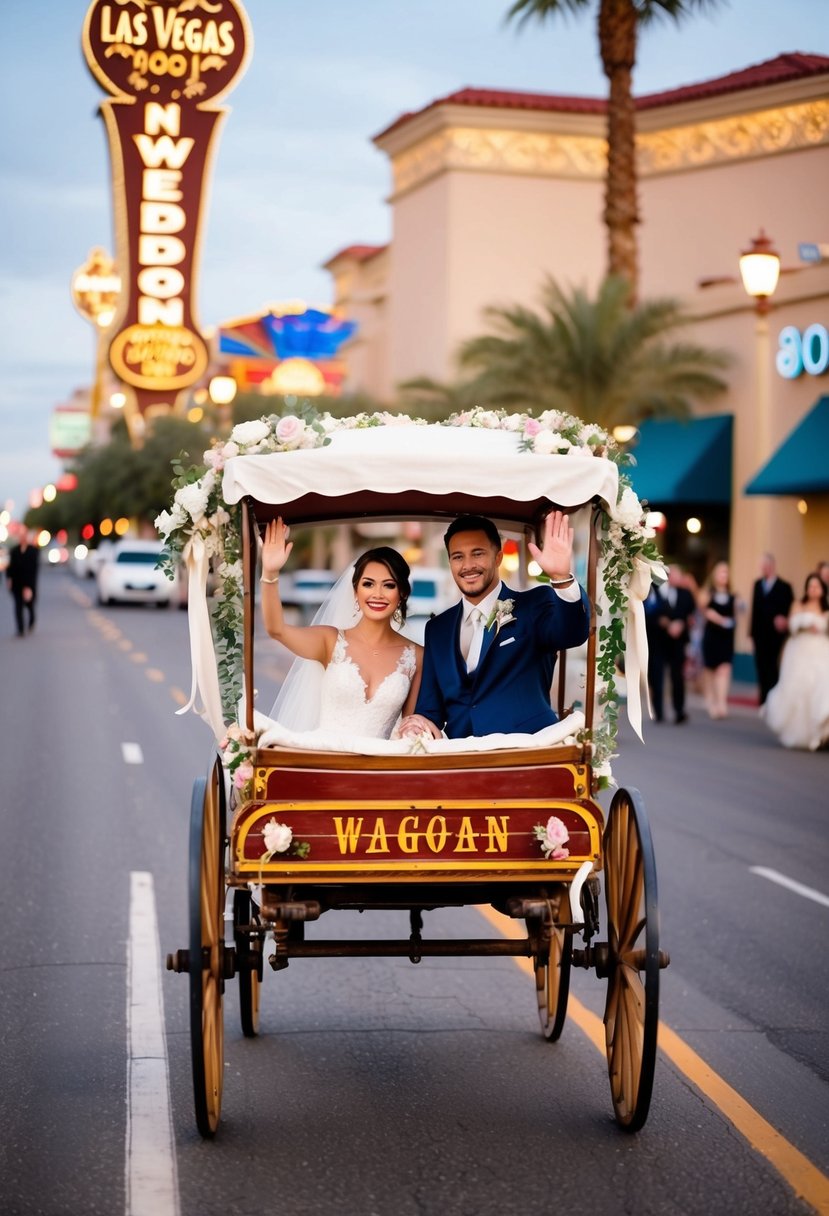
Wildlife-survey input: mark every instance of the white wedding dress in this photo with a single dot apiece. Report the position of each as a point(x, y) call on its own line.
point(344, 699)
point(797, 708)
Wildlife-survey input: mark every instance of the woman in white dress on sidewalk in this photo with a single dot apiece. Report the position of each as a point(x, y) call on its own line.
point(369, 673)
point(797, 708)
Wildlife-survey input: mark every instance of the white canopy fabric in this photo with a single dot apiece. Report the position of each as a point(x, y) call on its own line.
point(433, 459)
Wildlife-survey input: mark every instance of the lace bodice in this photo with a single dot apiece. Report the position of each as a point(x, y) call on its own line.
point(344, 706)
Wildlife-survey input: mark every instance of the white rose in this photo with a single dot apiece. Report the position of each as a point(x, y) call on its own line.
point(245, 433)
point(545, 442)
point(277, 836)
point(193, 500)
point(230, 450)
point(628, 510)
point(164, 524)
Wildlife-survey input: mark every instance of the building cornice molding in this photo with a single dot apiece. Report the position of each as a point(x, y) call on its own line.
point(450, 142)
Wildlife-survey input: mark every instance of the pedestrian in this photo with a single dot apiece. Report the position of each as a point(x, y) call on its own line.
point(21, 580)
point(674, 616)
point(770, 604)
point(719, 607)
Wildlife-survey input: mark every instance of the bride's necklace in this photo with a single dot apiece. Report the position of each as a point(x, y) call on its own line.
point(374, 650)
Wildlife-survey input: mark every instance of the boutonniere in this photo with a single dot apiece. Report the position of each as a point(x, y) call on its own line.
point(501, 615)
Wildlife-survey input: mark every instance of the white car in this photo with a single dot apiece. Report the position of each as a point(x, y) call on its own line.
point(128, 574)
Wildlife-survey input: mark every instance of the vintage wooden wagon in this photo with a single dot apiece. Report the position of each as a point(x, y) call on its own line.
point(426, 828)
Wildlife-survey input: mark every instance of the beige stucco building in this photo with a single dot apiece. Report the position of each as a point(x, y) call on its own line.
point(491, 191)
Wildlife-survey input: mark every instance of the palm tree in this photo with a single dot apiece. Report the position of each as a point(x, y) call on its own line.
point(618, 26)
point(603, 360)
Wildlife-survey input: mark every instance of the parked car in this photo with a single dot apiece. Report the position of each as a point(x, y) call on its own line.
point(306, 589)
point(433, 589)
point(128, 573)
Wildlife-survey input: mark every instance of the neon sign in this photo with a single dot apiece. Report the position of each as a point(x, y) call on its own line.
point(807, 352)
point(165, 65)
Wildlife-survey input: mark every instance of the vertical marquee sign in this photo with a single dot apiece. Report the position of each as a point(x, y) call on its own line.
point(166, 63)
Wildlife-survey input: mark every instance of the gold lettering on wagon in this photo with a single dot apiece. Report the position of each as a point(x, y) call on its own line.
point(416, 832)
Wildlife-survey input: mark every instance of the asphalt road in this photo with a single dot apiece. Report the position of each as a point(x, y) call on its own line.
point(377, 1086)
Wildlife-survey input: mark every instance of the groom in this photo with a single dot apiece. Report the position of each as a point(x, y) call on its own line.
point(488, 663)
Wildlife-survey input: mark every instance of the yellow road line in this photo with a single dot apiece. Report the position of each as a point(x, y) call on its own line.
point(805, 1179)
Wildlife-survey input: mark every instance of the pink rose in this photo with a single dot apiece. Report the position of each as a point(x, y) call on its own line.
point(243, 775)
point(289, 431)
point(532, 426)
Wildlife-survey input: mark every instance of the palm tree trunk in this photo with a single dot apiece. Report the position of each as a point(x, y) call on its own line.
point(617, 44)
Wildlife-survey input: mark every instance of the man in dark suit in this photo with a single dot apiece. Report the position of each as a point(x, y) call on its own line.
point(21, 580)
point(770, 604)
point(671, 631)
point(488, 661)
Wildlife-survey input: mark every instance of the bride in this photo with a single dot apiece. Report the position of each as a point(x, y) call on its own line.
point(362, 675)
point(797, 708)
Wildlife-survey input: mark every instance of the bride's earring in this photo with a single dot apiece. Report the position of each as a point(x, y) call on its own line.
point(397, 616)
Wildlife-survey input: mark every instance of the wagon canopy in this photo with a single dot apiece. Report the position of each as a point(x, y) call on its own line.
point(411, 470)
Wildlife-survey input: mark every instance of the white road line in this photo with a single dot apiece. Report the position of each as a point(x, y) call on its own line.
point(151, 1181)
point(132, 753)
point(797, 887)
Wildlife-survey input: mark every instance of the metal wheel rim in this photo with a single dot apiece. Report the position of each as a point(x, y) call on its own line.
point(552, 984)
point(207, 943)
point(632, 1009)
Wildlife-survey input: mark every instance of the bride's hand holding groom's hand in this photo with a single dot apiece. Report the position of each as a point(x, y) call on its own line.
point(414, 725)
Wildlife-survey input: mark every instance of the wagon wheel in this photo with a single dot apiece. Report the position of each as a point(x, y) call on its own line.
point(552, 982)
point(632, 1010)
point(248, 964)
point(207, 896)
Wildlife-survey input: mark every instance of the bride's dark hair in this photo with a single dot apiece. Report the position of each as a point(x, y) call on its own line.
point(824, 598)
point(396, 565)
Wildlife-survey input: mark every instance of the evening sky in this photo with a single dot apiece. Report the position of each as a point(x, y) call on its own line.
point(296, 177)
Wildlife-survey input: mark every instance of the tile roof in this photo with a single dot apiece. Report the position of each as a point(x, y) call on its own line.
point(359, 253)
point(794, 65)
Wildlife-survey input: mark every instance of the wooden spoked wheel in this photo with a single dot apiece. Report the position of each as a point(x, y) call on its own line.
point(248, 964)
point(206, 955)
point(552, 983)
point(632, 1010)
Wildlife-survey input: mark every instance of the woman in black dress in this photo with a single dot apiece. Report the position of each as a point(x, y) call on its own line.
point(719, 606)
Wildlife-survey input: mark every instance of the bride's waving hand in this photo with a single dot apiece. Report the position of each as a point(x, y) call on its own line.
point(305, 641)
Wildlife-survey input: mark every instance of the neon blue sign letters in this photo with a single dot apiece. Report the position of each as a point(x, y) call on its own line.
point(798, 353)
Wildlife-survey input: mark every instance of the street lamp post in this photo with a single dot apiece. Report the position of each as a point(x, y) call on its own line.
point(96, 287)
point(760, 270)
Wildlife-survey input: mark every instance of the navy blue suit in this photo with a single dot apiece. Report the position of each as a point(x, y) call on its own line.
point(509, 690)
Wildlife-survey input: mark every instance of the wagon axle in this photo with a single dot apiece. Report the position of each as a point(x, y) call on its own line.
point(180, 961)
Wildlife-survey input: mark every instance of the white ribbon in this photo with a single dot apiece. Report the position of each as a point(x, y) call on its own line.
point(636, 640)
point(205, 682)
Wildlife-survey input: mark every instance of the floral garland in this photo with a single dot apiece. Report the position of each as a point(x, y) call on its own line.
point(198, 510)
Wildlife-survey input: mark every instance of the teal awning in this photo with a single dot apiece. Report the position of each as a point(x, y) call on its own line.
point(801, 463)
point(683, 462)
